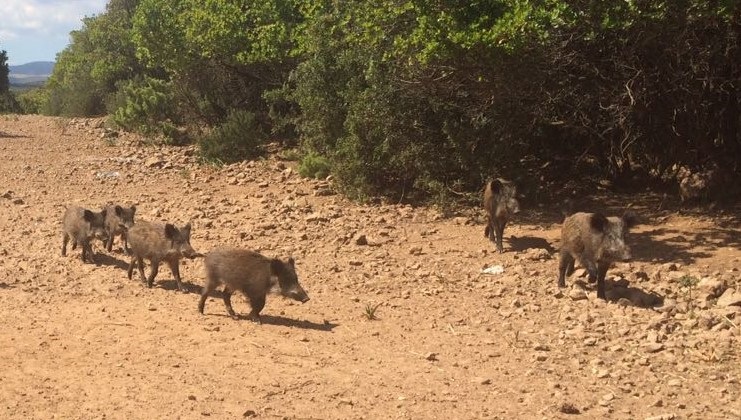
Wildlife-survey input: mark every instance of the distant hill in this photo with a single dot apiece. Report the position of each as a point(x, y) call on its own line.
point(33, 73)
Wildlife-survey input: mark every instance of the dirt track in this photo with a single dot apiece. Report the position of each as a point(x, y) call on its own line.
point(82, 341)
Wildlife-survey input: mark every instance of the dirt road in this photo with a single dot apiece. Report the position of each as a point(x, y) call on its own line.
point(82, 341)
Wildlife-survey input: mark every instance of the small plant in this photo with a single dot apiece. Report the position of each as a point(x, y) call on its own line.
point(185, 173)
point(293, 155)
point(370, 311)
point(688, 283)
point(314, 166)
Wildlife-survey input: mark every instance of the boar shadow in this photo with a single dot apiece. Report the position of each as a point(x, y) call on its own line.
point(4, 134)
point(173, 285)
point(523, 243)
point(614, 292)
point(278, 320)
point(294, 323)
point(4, 285)
point(105, 259)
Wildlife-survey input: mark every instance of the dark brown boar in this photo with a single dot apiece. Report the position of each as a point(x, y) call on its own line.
point(118, 221)
point(252, 274)
point(159, 243)
point(596, 242)
point(500, 203)
point(81, 226)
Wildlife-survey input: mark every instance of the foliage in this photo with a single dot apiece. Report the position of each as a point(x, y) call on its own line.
point(4, 71)
point(99, 56)
point(146, 106)
point(239, 137)
point(32, 101)
point(314, 166)
point(8, 103)
point(417, 99)
point(222, 55)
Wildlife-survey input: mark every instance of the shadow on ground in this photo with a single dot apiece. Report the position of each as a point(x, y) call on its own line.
point(284, 322)
point(3, 134)
point(620, 292)
point(663, 244)
point(106, 259)
point(522, 243)
point(173, 285)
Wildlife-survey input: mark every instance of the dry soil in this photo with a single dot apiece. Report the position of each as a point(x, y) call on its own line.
point(448, 342)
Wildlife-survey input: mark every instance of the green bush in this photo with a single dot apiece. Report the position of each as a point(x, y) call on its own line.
point(146, 106)
point(32, 101)
point(239, 137)
point(314, 166)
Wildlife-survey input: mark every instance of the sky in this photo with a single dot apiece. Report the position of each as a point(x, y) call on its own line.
point(36, 30)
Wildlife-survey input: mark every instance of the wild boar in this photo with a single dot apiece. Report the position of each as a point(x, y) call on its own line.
point(252, 274)
point(81, 226)
point(596, 242)
point(118, 221)
point(500, 203)
point(159, 243)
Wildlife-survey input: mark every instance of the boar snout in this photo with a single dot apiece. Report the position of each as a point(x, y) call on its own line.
point(298, 294)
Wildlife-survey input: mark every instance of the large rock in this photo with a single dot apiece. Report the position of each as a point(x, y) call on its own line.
point(730, 298)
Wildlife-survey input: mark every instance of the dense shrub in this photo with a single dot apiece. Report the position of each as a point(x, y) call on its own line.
point(146, 106)
point(32, 101)
point(314, 166)
point(239, 137)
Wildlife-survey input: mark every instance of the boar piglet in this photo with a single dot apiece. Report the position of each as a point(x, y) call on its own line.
point(595, 241)
point(500, 203)
point(81, 226)
point(118, 220)
point(159, 243)
point(252, 274)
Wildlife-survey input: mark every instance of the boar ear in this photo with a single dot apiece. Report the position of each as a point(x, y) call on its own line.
point(88, 216)
point(598, 222)
point(630, 219)
point(186, 229)
point(133, 209)
point(276, 266)
point(170, 231)
point(291, 262)
point(118, 210)
point(103, 213)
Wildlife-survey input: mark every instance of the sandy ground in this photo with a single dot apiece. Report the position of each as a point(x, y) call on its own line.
point(83, 341)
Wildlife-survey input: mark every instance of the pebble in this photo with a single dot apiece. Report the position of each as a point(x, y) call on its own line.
point(653, 347)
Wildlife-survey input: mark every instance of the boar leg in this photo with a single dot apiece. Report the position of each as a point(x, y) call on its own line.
point(210, 286)
point(87, 252)
point(126, 243)
point(65, 240)
point(566, 262)
point(131, 267)
point(257, 303)
point(601, 273)
point(500, 234)
point(152, 272)
point(140, 264)
point(175, 268)
point(109, 242)
point(228, 302)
